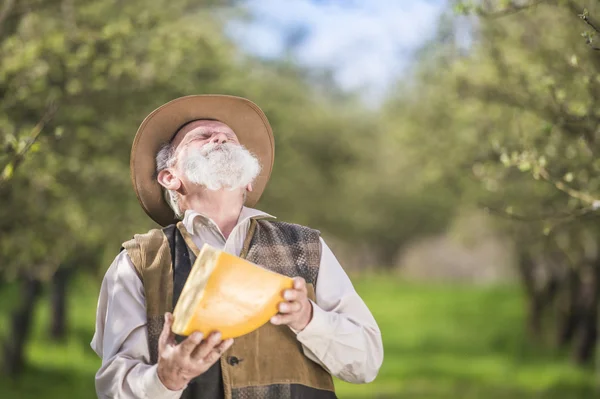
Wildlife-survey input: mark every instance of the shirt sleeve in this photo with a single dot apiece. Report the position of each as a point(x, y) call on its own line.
point(343, 335)
point(121, 338)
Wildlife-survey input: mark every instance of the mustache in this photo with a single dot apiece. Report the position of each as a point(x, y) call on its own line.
point(220, 165)
point(209, 148)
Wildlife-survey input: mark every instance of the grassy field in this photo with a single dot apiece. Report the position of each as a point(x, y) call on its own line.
point(441, 341)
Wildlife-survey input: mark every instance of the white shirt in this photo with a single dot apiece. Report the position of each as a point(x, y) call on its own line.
point(342, 336)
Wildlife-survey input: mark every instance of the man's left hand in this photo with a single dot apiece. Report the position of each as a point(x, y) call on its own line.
point(296, 311)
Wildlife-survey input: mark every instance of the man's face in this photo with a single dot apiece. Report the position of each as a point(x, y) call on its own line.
point(199, 133)
point(209, 154)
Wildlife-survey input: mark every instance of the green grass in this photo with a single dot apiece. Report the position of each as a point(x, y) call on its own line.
point(441, 341)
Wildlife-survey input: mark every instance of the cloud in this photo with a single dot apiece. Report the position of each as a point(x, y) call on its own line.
point(366, 43)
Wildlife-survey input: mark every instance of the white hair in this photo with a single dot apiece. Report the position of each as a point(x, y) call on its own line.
point(217, 166)
point(165, 158)
point(214, 166)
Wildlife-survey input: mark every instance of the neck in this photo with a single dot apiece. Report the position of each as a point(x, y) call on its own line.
point(223, 207)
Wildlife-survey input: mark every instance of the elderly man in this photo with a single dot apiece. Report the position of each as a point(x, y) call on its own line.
point(198, 165)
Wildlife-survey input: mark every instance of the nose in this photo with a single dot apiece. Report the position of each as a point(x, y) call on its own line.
point(218, 138)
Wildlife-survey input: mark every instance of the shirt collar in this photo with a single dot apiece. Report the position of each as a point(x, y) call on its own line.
point(191, 217)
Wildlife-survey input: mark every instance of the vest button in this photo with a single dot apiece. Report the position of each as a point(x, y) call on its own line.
point(232, 360)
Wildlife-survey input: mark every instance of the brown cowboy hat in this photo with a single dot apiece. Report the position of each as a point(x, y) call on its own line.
point(244, 117)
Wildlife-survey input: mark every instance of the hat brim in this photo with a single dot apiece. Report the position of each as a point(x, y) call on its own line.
point(244, 117)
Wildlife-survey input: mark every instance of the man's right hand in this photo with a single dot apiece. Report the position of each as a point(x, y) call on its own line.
point(179, 363)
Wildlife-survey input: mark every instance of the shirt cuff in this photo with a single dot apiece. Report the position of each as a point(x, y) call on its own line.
point(318, 327)
point(154, 387)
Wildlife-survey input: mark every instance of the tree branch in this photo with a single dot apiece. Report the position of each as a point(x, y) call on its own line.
point(68, 10)
point(580, 195)
point(5, 10)
point(583, 14)
point(19, 157)
point(571, 125)
point(540, 217)
point(586, 19)
point(511, 8)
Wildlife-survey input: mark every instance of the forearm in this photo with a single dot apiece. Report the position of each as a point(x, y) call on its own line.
point(127, 378)
point(348, 349)
point(342, 335)
point(121, 339)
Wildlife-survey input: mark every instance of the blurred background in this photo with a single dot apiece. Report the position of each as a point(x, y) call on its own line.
point(446, 150)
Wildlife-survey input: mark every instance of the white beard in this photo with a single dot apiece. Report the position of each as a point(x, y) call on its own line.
point(220, 166)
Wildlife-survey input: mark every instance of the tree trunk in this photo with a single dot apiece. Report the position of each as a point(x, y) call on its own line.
point(534, 317)
point(58, 303)
point(569, 311)
point(14, 346)
point(534, 324)
point(588, 333)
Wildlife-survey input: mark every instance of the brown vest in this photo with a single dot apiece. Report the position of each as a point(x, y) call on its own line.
point(267, 363)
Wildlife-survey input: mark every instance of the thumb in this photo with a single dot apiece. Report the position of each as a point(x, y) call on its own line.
point(166, 336)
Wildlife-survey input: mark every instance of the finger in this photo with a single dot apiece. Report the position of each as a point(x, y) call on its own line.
point(216, 353)
point(202, 350)
point(290, 307)
point(226, 345)
point(281, 319)
point(166, 335)
point(189, 344)
point(293, 295)
point(299, 284)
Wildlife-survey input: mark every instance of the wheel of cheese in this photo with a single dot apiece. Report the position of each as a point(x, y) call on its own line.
point(228, 294)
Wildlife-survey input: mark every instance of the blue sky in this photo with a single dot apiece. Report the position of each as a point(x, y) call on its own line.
point(367, 43)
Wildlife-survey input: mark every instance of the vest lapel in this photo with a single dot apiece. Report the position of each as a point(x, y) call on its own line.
point(250, 369)
point(188, 239)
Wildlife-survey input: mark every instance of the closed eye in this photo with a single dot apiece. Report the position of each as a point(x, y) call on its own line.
point(232, 136)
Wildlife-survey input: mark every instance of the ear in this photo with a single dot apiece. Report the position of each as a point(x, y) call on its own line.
point(249, 187)
point(168, 180)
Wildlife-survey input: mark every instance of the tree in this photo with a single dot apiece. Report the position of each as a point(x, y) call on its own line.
point(516, 111)
point(75, 79)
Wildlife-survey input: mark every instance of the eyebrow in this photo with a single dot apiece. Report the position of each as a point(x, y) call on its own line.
point(209, 132)
point(213, 131)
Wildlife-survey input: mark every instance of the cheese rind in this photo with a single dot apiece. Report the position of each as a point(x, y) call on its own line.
point(228, 294)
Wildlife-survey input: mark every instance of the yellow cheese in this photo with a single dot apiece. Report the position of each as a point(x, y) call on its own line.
point(228, 294)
